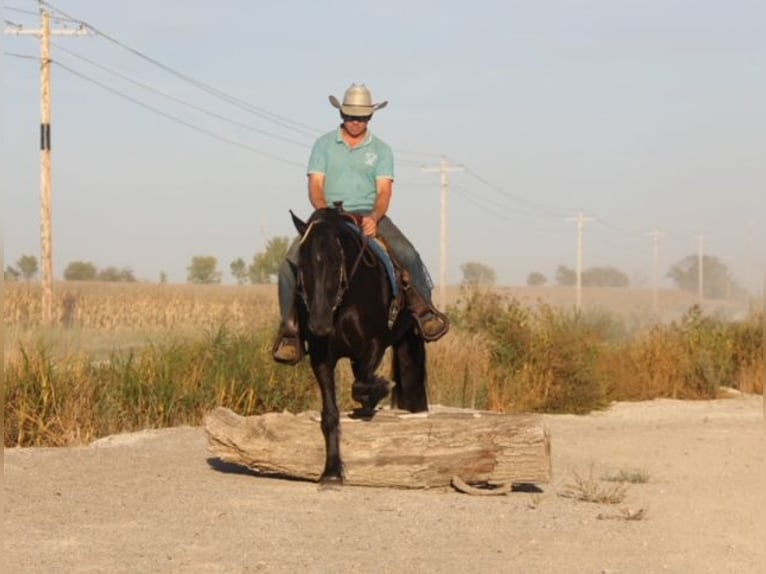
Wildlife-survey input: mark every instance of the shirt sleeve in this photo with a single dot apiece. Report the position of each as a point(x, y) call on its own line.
point(317, 159)
point(385, 166)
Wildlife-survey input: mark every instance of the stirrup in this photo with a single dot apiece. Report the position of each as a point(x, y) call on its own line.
point(432, 324)
point(287, 349)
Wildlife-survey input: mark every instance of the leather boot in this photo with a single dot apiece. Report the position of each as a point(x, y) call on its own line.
point(288, 347)
point(433, 324)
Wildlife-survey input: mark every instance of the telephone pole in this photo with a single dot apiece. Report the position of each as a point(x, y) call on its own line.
point(656, 235)
point(581, 220)
point(700, 274)
point(45, 33)
point(443, 169)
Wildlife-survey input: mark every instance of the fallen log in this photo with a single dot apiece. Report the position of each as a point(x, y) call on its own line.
point(394, 448)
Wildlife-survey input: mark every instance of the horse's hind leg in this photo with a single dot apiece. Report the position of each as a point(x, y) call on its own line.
point(409, 373)
point(333, 468)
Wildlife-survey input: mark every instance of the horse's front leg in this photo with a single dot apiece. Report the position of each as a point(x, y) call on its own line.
point(333, 468)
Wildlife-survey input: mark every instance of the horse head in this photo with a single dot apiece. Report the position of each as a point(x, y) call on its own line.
point(321, 268)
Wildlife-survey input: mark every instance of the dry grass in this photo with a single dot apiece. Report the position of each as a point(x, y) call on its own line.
point(629, 476)
point(147, 306)
point(100, 317)
point(460, 372)
point(587, 488)
point(160, 352)
point(624, 513)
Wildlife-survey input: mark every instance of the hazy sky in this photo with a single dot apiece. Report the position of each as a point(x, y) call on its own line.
point(644, 115)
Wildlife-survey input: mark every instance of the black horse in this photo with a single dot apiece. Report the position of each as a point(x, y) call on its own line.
point(345, 310)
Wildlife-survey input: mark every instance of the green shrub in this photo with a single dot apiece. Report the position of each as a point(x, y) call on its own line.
point(545, 358)
point(75, 398)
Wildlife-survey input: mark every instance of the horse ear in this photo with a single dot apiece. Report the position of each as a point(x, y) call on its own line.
point(299, 224)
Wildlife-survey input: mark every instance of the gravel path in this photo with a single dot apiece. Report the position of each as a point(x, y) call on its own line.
point(154, 502)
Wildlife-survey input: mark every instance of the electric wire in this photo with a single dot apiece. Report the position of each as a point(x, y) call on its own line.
point(176, 119)
point(481, 202)
point(22, 56)
point(546, 209)
point(242, 104)
point(179, 100)
point(21, 10)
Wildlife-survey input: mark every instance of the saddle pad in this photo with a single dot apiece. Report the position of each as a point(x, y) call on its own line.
point(381, 253)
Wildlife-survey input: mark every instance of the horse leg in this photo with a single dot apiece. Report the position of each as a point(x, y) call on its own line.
point(409, 373)
point(333, 467)
point(369, 389)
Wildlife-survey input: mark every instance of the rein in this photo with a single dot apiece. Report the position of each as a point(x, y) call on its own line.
point(345, 277)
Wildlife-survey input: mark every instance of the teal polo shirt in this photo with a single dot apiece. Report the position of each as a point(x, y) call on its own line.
point(351, 174)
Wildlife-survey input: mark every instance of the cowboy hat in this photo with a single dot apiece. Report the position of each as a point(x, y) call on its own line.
point(357, 101)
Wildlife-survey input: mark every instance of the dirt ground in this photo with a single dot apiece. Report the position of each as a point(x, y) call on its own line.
point(155, 502)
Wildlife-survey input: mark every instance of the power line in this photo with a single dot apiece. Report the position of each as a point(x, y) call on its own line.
point(179, 120)
point(491, 206)
point(180, 101)
point(242, 104)
point(21, 11)
point(22, 56)
point(537, 206)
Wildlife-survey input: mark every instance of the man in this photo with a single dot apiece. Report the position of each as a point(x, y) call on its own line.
point(353, 166)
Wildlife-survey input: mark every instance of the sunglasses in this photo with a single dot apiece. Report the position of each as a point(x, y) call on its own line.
point(362, 119)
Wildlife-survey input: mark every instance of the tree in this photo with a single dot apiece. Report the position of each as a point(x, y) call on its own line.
point(604, 277)
point(536, 279)
point(163, 277)
point(266, 263)
point(116, 275)
point(717, 282)
point(238, 269)
point(477, 274)
point(203, 270)
point(80, 271)
point(11, 274)
point(27, 265)
point(565, 277)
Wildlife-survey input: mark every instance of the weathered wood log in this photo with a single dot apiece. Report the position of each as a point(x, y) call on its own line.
point(395, 448)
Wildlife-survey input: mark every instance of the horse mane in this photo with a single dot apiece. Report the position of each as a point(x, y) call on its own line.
point(342, 222)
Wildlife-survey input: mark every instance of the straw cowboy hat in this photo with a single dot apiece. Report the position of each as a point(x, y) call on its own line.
point(357, 101)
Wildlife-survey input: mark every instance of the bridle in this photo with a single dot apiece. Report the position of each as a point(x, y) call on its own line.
point(345, 277)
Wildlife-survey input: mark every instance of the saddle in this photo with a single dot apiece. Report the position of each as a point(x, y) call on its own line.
point(380, 250)
point(432, 323)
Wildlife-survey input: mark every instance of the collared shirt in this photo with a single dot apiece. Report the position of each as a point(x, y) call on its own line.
point(351, 174)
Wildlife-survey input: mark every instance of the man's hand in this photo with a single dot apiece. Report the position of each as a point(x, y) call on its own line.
point(369, 226)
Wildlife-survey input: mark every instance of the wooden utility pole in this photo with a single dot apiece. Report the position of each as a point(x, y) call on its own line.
point(46, 236)
point(700, 274)
point(656, 236)
point(443, 169)
point(581, 220)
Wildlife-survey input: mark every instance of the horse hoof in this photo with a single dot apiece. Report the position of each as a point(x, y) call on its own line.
point(330, 482)
point(369, 394)
point(362, 414)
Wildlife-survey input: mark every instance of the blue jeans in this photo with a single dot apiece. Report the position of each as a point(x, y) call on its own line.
point(401, 248)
